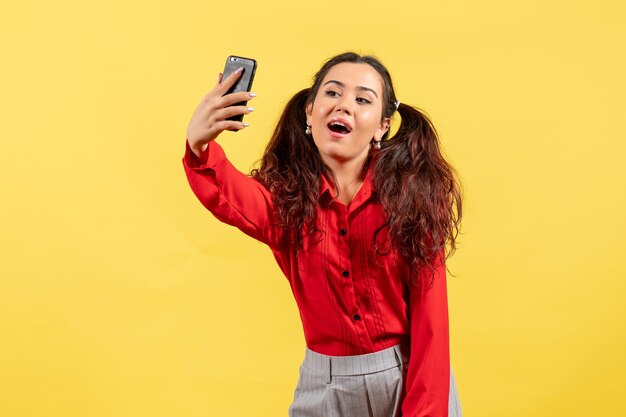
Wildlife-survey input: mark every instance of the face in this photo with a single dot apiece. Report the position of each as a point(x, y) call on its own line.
point(346, 113)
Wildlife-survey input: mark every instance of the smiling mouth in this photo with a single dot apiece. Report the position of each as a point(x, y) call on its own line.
point(339, 127)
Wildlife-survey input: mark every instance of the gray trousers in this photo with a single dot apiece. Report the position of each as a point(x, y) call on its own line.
point(367, 385)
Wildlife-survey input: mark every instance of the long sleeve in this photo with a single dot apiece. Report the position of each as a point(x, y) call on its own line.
point(428, 378)
point(231, 196)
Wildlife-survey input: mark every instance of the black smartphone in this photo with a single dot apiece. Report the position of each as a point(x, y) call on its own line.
point(244, 83)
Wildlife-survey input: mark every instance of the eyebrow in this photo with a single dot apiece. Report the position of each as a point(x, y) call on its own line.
point(360, 87)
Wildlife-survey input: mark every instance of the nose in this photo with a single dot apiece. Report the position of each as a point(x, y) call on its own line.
point(343, 105)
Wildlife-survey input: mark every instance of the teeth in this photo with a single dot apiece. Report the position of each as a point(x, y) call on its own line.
point(339, 124)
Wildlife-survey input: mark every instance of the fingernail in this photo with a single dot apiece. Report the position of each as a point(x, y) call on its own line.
point(245, 124)
point(239, 69)
point(252, 94)
point(250, 108)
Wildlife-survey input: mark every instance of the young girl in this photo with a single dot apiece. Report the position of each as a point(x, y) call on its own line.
point(359, 223)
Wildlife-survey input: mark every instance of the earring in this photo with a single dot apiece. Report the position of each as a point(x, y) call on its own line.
point(376, 144)
point(308, 130)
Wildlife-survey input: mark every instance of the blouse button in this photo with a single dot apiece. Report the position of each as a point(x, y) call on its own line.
point(345, 274)
point(343, 232)
point(357, 317)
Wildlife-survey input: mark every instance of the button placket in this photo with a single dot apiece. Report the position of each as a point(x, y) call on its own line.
point(345, 266)
point(343, 232)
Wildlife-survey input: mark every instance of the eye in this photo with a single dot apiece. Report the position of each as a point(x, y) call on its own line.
point(363, 100)
point(331, 93)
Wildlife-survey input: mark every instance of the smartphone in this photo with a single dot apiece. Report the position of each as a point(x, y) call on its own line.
point(244, 83)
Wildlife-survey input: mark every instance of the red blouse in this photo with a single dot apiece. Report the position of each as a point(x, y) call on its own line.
point(351, 301)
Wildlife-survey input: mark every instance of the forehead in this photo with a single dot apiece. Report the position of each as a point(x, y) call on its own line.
point(355, 75)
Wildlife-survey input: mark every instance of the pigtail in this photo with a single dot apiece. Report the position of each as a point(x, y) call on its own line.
point(291, 169)
point(419, 189)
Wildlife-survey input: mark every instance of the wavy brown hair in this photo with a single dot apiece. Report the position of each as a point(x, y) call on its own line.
point(417, 188)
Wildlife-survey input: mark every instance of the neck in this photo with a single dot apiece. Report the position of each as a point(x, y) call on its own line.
point(348, 177)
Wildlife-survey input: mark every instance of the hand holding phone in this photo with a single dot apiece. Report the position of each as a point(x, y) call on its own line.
point(224, 106)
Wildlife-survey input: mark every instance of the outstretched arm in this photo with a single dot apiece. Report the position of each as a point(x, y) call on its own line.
point(233, 197)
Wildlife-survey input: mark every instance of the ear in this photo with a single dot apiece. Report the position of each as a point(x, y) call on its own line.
point(384, 127)
point(309, 110)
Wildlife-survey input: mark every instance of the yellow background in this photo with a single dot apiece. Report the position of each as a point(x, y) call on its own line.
point(121, 296)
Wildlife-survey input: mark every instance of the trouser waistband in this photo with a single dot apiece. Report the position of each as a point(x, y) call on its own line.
point(358, 364)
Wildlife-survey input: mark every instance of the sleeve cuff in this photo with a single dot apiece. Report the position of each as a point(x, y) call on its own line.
point(211, 155)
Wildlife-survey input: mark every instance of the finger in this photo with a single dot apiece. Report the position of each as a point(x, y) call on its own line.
point(232, 111)
point(219, 78)
point(230, 80)
point(230, 125)
point(233, 98)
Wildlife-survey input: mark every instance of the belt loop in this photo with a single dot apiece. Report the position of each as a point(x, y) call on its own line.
point(399, 356)
point(329, 374)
